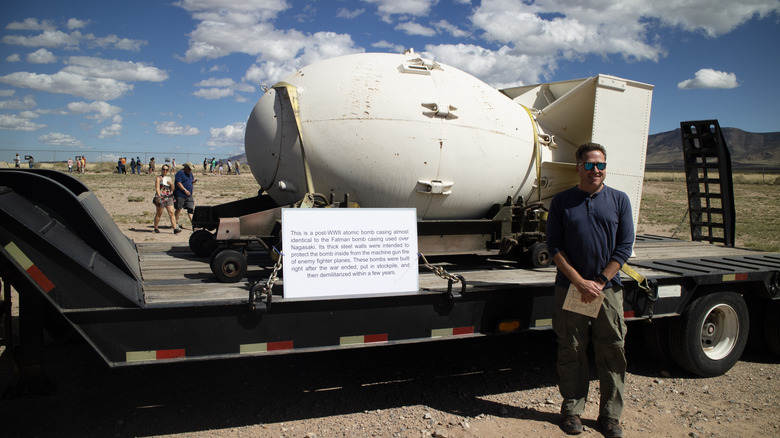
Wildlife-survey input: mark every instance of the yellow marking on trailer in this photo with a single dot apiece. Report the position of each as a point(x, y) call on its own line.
point(351, 340)
point(138, 356)
point(261, 347)
point(438, 333)
point(18, 255)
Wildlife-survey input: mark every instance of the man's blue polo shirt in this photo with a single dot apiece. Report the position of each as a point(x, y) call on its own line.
point(590, 230)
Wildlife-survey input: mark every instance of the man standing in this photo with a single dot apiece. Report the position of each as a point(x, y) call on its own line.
point(590, 233)
point(17, 160)
point(183, 193)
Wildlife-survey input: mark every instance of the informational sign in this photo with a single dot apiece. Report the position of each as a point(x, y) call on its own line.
point(348, 252)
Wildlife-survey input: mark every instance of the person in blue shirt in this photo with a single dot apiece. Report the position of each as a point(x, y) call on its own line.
point(183, 192)
point(590, 234)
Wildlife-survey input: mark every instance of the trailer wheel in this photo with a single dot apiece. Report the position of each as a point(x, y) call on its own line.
point(772, 328)
point(203, 243)
point(538, 256)
point(710, 335)
point(229, 266)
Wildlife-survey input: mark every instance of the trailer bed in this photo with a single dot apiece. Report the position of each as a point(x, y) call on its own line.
point(174, 276)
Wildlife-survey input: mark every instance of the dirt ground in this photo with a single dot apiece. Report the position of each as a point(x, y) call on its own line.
point(497, 387)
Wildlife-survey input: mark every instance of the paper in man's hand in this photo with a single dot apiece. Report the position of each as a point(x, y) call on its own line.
point(574, 303)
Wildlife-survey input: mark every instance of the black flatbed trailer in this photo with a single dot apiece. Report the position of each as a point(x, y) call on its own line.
point(157, 302)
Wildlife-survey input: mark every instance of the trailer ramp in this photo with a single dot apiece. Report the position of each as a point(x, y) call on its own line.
point(51, 222)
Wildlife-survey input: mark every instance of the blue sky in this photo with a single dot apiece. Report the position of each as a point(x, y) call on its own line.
point(181, 77)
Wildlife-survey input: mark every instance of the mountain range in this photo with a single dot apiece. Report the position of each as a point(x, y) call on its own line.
point(749, 150)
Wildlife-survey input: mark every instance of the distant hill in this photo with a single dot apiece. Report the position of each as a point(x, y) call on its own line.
point(749, 150)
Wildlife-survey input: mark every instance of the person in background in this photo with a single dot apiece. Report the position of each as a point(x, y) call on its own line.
point(173, 165)
point(70, 165)
point(31, 161)
point(132, 166)
point(17, 161)
point(183, 191)
point(83, 164)
point(590, 233)
point(238, 167)
point(151, 165)
point(205, 164)
point(229, 166)
point(163, 188)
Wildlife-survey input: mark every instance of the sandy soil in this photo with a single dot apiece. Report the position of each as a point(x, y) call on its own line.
point(500, 387)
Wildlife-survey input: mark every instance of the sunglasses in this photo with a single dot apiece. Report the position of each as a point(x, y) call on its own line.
point(589, 166)
point(166, 169)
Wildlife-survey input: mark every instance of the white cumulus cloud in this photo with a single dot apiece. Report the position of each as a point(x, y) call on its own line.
point(230, 135)
point(349, 14)
point(27, 102)
point(172, 128)
point(114, 69)
point(31, 24)
point(41, 56)
point(113, 130)
point(709, 78)
point(103, 111)
point(59, 139)
point(224, 28)
point(412, 28)
point(20, 122)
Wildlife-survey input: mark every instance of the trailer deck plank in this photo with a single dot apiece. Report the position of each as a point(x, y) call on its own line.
point(173, 275)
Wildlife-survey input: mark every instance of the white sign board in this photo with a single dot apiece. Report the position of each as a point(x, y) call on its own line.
point(335, 252)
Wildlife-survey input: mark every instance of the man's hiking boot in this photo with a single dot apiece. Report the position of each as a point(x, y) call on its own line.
point(572, 424)
point(610, 427)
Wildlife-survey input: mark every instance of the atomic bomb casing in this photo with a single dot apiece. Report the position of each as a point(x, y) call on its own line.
point(392, 131)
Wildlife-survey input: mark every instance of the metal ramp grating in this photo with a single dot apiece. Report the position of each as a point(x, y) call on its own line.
point(709, 184)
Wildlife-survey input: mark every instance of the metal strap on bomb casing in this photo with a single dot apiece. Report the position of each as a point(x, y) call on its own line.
point(292, 95)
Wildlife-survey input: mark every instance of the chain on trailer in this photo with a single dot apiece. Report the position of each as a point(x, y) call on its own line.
point(264, 291)
point(451, 278)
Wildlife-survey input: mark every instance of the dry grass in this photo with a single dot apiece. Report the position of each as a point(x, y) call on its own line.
point(663, 209)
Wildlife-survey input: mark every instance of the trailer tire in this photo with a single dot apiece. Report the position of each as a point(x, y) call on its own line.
point(203, 243)
point(538, 256)
point(229, 266)
point(772, 328)
point(710, 335)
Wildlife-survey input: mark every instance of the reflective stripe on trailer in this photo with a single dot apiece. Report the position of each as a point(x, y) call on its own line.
point(455, 331)
point(27, 264)
point(264, 347)
point(362, 339)
point(139, 356)
point(543, 322)
point(735, 277)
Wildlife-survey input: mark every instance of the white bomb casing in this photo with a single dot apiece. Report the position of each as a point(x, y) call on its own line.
point(393, 131)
